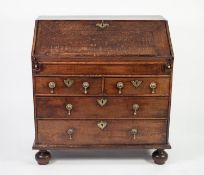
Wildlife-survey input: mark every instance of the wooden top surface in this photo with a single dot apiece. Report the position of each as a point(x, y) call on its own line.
point(128, 36)
point(103, 17)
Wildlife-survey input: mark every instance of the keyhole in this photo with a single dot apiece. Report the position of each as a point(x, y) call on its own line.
point(102, 101)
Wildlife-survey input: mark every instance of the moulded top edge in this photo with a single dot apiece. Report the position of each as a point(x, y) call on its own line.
point(103, 17)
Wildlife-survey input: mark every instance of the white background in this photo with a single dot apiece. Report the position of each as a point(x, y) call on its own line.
point(186, 21)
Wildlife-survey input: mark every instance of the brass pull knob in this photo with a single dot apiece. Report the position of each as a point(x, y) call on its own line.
point(135, 107)
point(51, 86)
point(136, 83)
point(120, 86)
point(102, 25)
point(153, 87)
point(133, 132)
point(70, 132)
point(69, 108)
point(168, 66)
point(85, 86)
point(68, 82)
point(102, 101)
point(102, 124)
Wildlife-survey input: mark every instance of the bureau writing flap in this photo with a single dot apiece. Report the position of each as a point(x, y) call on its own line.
point(95, 38)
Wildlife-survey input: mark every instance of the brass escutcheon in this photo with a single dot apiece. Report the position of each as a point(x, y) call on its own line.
point(102, 124)
point(136, 83)
point(68, 82)
point(102, 101)
point(102, 25)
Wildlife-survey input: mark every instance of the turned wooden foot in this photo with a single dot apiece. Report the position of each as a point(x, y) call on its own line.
point(159, 156)
point(42, 157)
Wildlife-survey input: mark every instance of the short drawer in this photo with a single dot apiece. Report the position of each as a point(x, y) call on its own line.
point(68, 85)
point(75, 132)
point(153, 86)
point(102, 107)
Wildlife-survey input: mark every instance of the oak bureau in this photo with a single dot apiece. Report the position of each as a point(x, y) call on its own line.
point(102, 82)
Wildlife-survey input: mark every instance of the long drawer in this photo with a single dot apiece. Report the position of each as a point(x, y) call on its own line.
point(102, 107)
point(75, 132)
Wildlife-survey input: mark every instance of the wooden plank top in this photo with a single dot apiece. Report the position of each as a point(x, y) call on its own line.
point(103, 17)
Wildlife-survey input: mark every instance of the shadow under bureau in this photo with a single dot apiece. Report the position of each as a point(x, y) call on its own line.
point(102, 82)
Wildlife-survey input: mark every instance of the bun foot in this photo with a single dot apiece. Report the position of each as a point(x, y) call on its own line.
point(159, 156)
point(42, 157)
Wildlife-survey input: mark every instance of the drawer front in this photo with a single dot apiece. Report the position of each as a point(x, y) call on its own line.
point(102, 69)
point(102, 107)
point(68, 85)
point(137, 86)
point(73, 132)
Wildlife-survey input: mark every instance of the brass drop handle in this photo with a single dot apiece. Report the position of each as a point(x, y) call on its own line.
point(120, 86)
point(70, 132)
point(153, 87)
point(102, 25)
point(69, 108)
point(135, 108)
point(133, 132)
point(68, 82)
point(51, 85)
point(85, 85)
